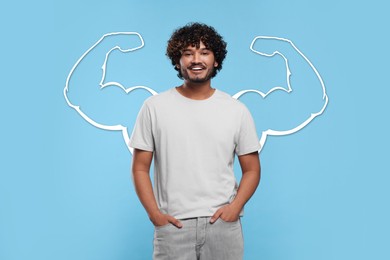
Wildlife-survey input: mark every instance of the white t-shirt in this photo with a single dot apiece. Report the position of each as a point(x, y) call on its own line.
point(194, 143)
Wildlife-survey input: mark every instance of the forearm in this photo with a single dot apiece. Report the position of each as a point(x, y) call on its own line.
point(144, 190)
point(249, 182)
point(141, 178)
point(250, 166)
point(248, 185)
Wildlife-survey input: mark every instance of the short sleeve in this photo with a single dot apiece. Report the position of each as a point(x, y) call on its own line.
point(142, 136)
point(247, 141)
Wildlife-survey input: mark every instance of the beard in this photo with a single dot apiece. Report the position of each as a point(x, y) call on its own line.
point(197, 78)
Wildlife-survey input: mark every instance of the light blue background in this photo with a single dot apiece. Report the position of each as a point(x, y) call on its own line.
point(65, 187)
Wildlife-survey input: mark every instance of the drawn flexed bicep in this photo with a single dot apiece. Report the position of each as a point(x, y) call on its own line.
point(302, 98)
point(100, 102)
point(106, 104)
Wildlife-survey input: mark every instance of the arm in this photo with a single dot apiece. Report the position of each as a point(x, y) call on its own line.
point(143, 186)
point(87, 76)
point(303, 95)
point(250, 166)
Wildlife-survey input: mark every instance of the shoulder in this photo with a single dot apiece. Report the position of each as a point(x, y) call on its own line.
point(158, 99)
point(230, 101)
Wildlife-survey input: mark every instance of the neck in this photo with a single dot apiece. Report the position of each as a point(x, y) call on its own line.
point(197, 91)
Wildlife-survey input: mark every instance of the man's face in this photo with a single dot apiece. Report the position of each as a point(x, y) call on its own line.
point(197, 65)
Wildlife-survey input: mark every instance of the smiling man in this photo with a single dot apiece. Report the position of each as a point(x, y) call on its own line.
point(193, 132)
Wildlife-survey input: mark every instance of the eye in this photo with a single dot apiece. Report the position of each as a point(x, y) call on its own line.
point(187, 54)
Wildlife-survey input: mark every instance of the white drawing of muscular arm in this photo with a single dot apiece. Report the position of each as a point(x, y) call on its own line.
point(91, 69)
point(94, 61)
point(297, 83)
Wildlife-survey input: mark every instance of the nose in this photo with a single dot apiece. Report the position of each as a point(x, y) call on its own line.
point(196, 58)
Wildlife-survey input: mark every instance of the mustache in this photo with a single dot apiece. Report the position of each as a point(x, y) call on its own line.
point(197, 65)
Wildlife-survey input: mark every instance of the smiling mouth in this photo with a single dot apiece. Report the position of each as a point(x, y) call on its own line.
point(196, 68)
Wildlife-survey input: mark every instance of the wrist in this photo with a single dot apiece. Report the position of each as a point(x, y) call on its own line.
point(156, 214)
point(236, 206)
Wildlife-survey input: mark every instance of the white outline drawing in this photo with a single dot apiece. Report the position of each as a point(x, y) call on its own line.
point(289, 89)
point(123, 129)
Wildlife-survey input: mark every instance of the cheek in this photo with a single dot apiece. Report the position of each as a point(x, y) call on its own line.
point(182, 62)
point(179, 65)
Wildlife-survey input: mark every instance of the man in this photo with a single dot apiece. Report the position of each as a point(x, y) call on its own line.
point(193, 132)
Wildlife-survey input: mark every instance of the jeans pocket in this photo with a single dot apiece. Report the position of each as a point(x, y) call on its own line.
point(163, 226)
point(228, 222)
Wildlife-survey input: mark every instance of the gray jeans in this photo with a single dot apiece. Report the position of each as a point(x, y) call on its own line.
point(199, 240)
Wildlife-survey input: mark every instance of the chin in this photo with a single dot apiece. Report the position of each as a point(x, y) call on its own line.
point(197, 80)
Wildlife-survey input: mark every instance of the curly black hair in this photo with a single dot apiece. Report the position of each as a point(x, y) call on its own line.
point(191, 35)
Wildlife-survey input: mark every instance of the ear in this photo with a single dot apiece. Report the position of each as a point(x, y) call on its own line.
point(215, 64)
point(177, 66)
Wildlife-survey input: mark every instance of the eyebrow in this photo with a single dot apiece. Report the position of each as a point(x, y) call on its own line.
point(202, 49)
